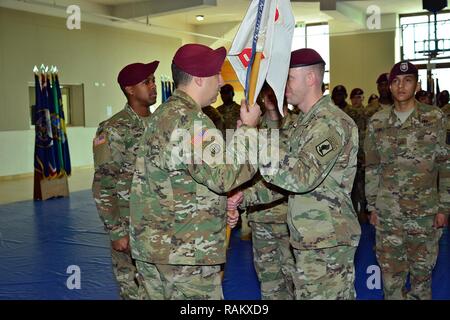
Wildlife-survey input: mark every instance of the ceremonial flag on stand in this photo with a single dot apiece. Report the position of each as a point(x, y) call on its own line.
point(62, 119)
point(54, 120)
point(44, 155)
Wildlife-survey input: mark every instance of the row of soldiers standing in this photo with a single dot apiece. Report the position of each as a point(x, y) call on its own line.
point(166, 216)
point(402, 177)
point(361, 116)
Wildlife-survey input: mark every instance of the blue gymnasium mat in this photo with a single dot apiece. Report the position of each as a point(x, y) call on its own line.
point(39, 241)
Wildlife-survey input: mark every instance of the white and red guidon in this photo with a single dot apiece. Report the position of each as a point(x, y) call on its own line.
point(274, 41)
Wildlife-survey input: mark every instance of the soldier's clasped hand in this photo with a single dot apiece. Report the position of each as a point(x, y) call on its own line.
point(250, 114)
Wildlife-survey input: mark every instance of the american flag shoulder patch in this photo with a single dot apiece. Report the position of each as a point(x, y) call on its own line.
point(200, 137)
point(99, 140)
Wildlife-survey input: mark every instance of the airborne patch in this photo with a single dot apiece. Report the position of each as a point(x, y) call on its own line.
point(324, 148)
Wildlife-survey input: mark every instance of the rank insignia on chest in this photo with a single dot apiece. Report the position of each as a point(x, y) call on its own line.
point(324, 148)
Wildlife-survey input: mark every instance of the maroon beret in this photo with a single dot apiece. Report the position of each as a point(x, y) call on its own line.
point(136, 72)
point(383, 77)
point(356, 92)
point(305, 57)
point(199, 60)
point(402, 68)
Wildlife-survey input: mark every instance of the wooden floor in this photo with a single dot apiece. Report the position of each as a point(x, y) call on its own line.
point(21, 189)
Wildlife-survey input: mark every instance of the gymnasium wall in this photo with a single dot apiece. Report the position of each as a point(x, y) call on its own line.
point(92, 56)
point(357, 60)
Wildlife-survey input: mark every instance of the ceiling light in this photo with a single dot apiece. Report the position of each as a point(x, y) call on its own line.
point(200, 17)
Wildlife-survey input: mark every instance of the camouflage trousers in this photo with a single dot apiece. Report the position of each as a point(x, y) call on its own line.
point(325, 274)
point(125, 272)
point(273, 259)
point(179, 282)
point(407, 246)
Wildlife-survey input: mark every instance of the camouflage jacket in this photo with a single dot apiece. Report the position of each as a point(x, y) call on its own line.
point(404, 160)
point(215, 117)
point(358, 115)
point(114, 147)
point(275, 212)
point(230, 114)
point(178, 204)
point(317, 166)
point(371, 109)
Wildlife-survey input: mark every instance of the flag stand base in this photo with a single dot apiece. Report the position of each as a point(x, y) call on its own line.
point(45, 189)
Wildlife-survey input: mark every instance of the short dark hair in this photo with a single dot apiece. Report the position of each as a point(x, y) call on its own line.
point(179, 76)
point(227, 88)
point(124, 91)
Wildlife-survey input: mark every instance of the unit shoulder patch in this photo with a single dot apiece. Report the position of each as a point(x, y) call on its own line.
point(324, 148)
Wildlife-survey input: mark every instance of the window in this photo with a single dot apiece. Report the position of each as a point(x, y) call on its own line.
point(418, 41)
point(72, 100)
point(314, 36)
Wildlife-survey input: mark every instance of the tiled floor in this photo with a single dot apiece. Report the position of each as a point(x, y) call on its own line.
point(22, 189)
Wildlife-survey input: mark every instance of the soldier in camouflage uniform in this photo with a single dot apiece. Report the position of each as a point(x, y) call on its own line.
point(424, 97)
point(317, 165)
point(383, 102)
point(215, 117)
point(230, 115)
point(356, 109)
point(229, 110)
point(405, 151)
point(339, 96)
point(357, 113)
point(178, 204)
point(272, 253)
point(114, 149)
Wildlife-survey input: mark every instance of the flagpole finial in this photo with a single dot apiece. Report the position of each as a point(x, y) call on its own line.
point(35, 69)
point(55, 70)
